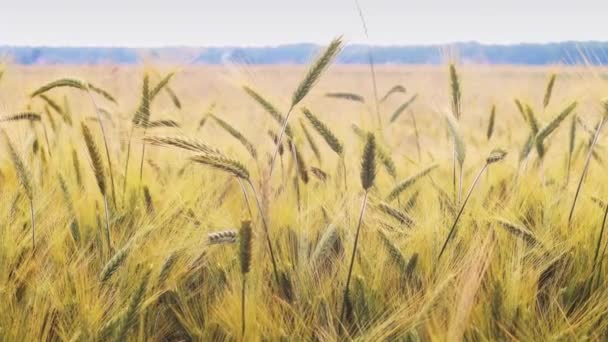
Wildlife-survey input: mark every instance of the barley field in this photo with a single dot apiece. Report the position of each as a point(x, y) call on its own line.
point(176, 203)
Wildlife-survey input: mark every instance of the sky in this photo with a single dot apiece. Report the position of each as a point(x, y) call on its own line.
point(153, 23)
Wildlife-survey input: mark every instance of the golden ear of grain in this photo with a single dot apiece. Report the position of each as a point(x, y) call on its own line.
point(270, 109)
point(245, 237)
point(224, 164)
point(95, 158)
point(549, 90)
point(368, 163)
point(64, 82)
point(316, 70)
point(237, 135)
point(324, 131)
point(311, 142)
point(403, 185)
point(403, 107)
point(22, 173)
point(346, 96)
point(457, 137)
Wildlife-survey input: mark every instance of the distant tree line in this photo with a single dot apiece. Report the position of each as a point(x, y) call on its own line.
point(524, 54)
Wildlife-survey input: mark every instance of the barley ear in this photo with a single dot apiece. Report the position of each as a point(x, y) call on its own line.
point(245, 237)
point(368, 164)
point(95, 158)
point(315, 71)
point(549, 90)
point(455, 91)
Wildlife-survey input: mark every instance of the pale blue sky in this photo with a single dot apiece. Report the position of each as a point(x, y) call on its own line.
point(271, 22)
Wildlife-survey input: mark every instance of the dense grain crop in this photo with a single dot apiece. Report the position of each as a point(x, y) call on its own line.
point(474, 208)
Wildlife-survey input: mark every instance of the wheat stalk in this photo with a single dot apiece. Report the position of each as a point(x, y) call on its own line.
point(495, 156)
point(588, 160)
point(368, 175)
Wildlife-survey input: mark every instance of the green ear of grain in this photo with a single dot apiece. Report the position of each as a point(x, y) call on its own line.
point(552, 126)
point(403, 107)
point(394, 90)
point(316, 70)
point(56, 107)
point(549, 90)
point(25, 116)
point(309, 139)
point(346, 96)
point(457, 137)
point(114, 264)
point(403, 185)
point(142, 115)
point(382, 154)
point(395, 213)
point(245, 242)
point(327, 248)
point(329, 137)
point(182, 142)
point(237, 135)
point(270, 109)
point(64, 82)
point(102, 92)
point(455, 92)
point(176, 102)
point(521, 110)
point(95, 156)
point(491, 122)
point(222, 163)
point(22, 173)
point(161, 85)
point(368, 163)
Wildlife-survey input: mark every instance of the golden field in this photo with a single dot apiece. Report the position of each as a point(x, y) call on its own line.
point(516, 267)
